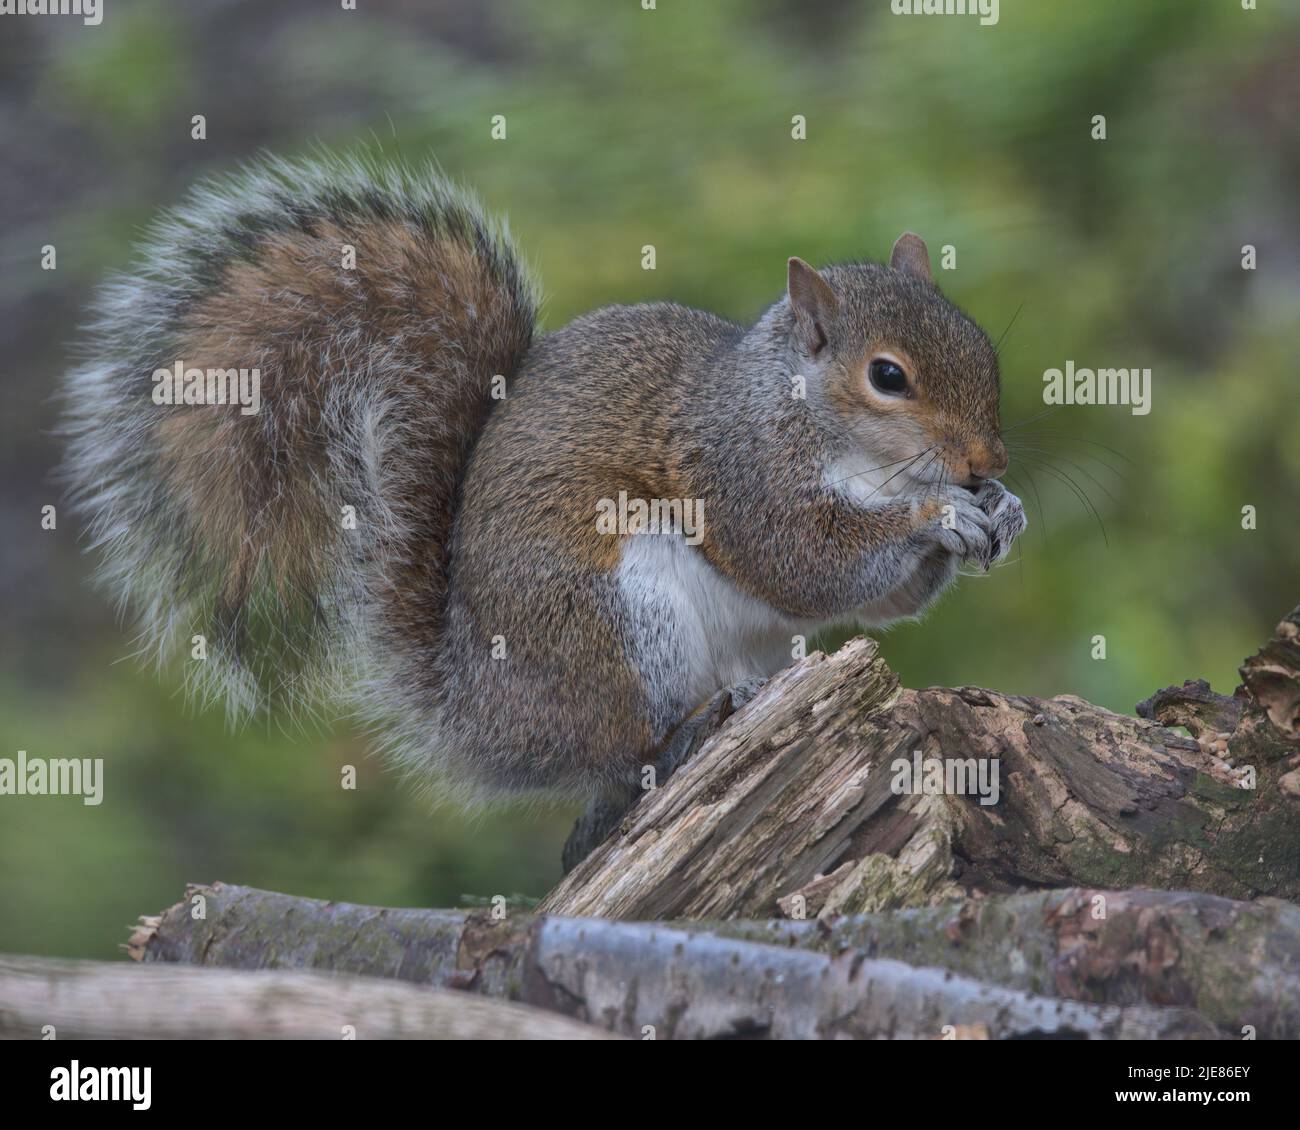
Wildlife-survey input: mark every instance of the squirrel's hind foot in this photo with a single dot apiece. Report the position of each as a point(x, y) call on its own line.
point(606, 810)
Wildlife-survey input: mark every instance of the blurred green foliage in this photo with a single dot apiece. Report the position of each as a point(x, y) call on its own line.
point(672, 128)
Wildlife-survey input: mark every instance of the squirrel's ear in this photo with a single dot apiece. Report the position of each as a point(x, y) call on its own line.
point(813, 302)
point(911, 255)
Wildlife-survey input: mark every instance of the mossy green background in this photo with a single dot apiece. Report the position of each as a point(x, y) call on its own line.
point(672, 127)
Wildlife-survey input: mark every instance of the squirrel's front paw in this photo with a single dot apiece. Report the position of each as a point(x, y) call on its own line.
point(961, 527)
point(1006, 517)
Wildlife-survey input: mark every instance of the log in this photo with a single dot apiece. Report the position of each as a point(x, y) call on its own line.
point(89, 1000)
point(1094, 947)
point(800, 801)
point(1236, 963)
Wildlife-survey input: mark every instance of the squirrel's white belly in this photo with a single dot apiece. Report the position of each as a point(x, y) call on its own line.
point(692, 629)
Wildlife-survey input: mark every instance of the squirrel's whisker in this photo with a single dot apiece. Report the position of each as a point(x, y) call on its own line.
point(1038, 502)
point(882, 467)
point(997, 345)
point(895, 475)
point(1048, 455)
point(1119, 475)
point(1079, 492)
point(1030, 419)
point(1065, 436)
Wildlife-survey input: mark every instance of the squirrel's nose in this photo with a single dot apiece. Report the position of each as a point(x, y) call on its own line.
point(986, 462)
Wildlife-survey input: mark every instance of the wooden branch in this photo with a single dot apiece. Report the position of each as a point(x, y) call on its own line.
point(105, 1001)
point(794, 804)
point(1237, 964)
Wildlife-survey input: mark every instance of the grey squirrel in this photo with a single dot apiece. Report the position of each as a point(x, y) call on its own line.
point(411, 518)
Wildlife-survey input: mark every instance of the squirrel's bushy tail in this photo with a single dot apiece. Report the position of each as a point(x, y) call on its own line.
point(377, 305)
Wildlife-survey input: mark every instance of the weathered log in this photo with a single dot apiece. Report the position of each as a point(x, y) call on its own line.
point(801, 799)
point(1238, 964)
point(93, 1000)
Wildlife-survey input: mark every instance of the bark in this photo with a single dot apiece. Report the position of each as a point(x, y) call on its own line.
point(104, 1001)
point(1270, 677)
point(793, 805)
point(673, 981)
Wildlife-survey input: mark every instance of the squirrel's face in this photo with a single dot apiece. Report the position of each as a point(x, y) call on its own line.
point(908, 376)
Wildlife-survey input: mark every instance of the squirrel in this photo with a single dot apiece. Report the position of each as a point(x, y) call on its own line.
point(412, 516)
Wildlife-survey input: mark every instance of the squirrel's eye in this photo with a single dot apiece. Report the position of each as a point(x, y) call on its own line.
point(888, 378)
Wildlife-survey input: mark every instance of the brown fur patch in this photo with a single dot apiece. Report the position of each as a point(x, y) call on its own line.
point(415, 310)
